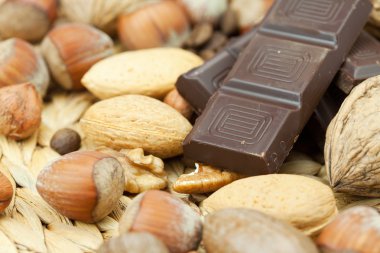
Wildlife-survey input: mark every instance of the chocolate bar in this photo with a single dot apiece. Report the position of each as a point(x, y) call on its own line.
point(251, 123)
point(198, 85)
point(362, 63)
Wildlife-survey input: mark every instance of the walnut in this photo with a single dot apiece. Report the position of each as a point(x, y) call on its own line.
point(205, 179)
point(352, 149)
point(142, 173)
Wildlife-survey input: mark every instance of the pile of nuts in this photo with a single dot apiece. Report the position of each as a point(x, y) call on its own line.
point(128, 55)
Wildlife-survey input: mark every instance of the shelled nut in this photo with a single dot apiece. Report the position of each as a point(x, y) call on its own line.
point(26, 19)
point(17, 54)
point(83, 185)
point(71, 49)
point(20, 110)
point(176, 224)
point(6, 192)
point(149, 26)
point(65, 141)
point(134, 243)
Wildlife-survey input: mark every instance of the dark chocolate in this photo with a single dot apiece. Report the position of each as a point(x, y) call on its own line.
point(362, 63)
point(198, 85)
point(251, 123)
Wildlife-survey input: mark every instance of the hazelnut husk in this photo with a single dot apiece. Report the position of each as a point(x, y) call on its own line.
point(175, 100)
point(65, 141)
point(20, 111)
point(31, 18)
point(83, 185)
point(72, 49)
point(133, 243)
point(176, 224)
point(239, 230)
point(20, 63)
point(354, 230)
point(6, 192)
point(157, 24)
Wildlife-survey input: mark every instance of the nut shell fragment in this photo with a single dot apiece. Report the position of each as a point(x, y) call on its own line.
point(352, 148)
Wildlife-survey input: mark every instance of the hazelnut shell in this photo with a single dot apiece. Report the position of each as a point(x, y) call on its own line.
point(17, 54)
point(176, 224)
point(70, 51)
point(6, 192)
point(83, 185)
point(20, 111)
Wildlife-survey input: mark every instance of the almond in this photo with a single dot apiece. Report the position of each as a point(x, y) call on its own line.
point(135, 121)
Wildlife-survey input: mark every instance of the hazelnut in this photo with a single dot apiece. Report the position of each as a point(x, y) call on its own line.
point(17, 54)
point(20, 111)
point(157, 24)
point(134, 243)
point(31, 18)
point(83, 185)
point(175, 100)
point(6, 192)
point(354, 230)
point(176, 224)
point(239, 230)
point(65, 141)
point(70, 51)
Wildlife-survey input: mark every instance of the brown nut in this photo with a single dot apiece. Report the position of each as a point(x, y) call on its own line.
point(20, 111)
point(133, 243)
point(70, 51)
point(205, 179)
point(150, 26)
point(352, 149)
point(65, 141)
point(244, 230)
point(175, 100)
point(355, 230)
point(6, 192)
point(20, 63)
point(26, 19)
point(176, 224)
point(83, 185)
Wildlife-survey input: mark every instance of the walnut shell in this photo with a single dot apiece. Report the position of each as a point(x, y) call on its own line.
point(352, 148)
